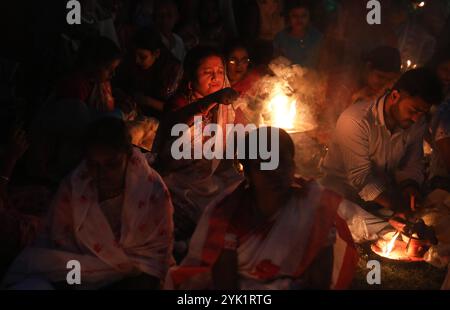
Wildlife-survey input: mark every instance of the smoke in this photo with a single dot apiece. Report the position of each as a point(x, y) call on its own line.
point(304, 87)
point(299, 85)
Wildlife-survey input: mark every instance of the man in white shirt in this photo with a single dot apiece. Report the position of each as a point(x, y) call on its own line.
point(376, 156)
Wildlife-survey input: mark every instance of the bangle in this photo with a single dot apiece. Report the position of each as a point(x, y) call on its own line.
point(6, 179)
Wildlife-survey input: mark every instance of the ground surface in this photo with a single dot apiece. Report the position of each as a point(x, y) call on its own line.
point(397, 275)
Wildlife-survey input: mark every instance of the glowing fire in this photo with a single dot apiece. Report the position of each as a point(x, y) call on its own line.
point(282, 110)
point(389, 246)
point(392, 247)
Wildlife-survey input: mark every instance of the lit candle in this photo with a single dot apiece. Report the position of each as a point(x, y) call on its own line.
point(412, 202)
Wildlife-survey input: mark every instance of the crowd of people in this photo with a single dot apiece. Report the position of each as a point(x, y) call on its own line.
point(86, 165)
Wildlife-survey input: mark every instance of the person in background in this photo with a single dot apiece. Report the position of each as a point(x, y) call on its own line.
point(439, 138)
point(270, 19)
point(211, 25)
point(150, 73)
point(240, 73)
point(144, 13)
point(240, 241)
point(113, 214)
point(382, 68)
point(300, 42)
point(82, 95)
point(98, 59)
point(166, 17)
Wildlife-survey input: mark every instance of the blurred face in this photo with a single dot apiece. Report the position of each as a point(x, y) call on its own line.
point(106, 165)
point(210, 76)
point(407, 110)
point(378, 80)
point(209, 13)
point(146, 58)
point(299, 19)
point(237, 65)
point(106, 73)
point(443, 72)
point(269, 6)
point(166, 17)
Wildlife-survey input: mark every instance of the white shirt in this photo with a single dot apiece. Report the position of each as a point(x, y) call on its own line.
point(178, 50)
point(365, 156)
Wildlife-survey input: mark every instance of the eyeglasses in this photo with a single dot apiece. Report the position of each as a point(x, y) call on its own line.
point(237, 62)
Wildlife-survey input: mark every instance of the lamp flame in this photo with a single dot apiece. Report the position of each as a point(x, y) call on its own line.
point(389, 246)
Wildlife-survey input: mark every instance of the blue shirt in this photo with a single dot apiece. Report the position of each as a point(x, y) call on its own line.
point(303, 51)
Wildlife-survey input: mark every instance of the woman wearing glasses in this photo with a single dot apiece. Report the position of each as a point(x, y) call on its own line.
point(239, 68)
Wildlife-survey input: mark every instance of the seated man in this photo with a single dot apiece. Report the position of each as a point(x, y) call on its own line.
point(382, 68)
point(272, 232)
point(113, 215)
point(377, 152)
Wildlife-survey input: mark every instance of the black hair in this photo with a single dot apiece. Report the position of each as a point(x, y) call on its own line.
point(286, 145)
point(290, 5)
point(192, 62)
point(384, 58)
point(108, 132)
point(234, 45)
point(422, 83)
point(148, 39)
point(97, 51)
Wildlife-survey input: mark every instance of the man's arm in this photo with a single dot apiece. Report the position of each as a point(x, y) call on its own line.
point(353, 140)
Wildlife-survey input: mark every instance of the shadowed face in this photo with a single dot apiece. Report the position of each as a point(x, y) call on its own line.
point(106, 165)
point(407, 109)
point(237, 65)
point(166, 17)
point(146, 58)
point(106, 73)
point(299, 19)
point(269, 7)
point(210, 76)
point(378, 80)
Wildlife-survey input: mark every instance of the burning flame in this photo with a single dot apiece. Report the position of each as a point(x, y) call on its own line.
point(389, 246)
point(282, 110)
